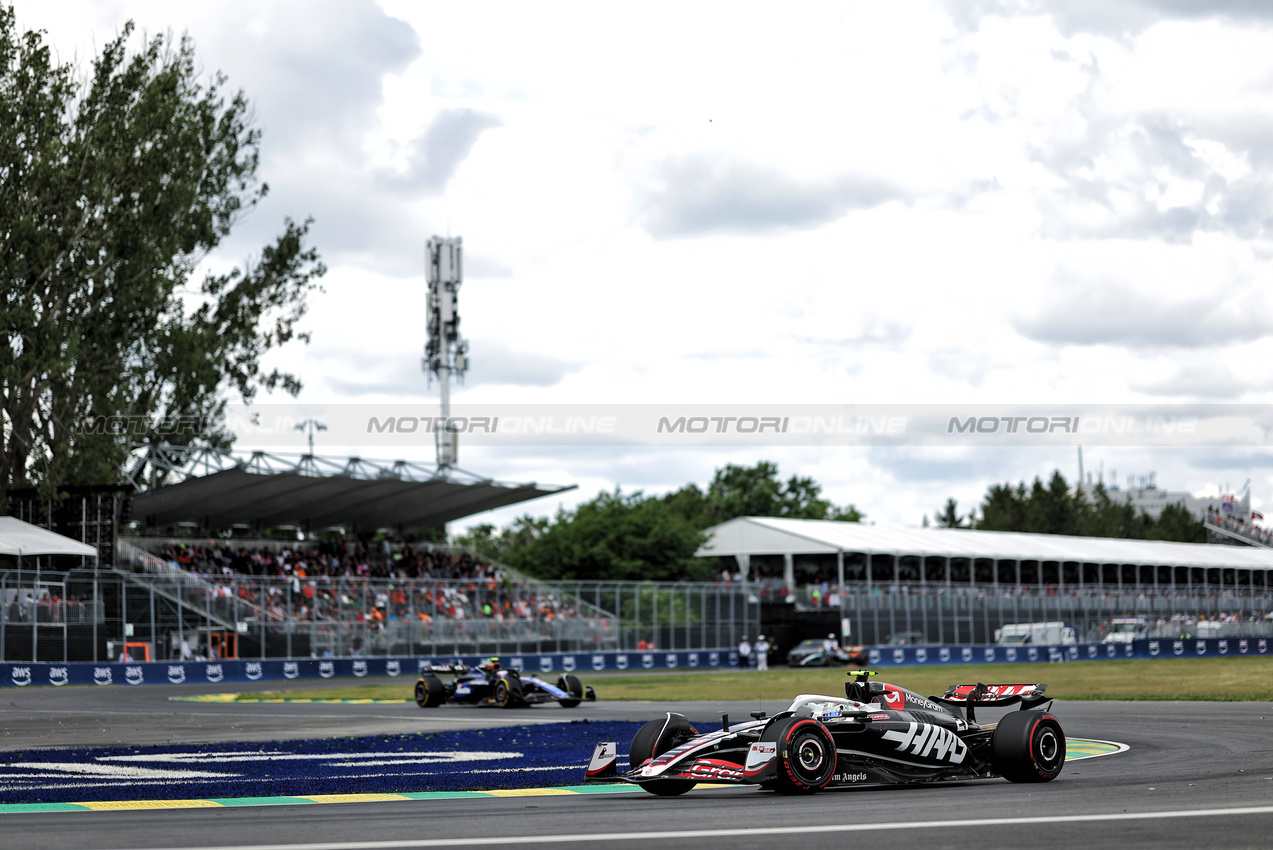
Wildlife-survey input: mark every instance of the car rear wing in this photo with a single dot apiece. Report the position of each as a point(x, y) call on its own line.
point(444, 668)
point(994, 696)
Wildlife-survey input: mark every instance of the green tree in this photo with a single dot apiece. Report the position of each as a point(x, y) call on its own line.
point(949, 516)
point(1054, 509)
point(494, 545)
point(757, 491)
point(615, 537)
point(114, 188)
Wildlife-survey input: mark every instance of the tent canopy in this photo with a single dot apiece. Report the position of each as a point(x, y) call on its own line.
point(776, 536)
point(22, 539)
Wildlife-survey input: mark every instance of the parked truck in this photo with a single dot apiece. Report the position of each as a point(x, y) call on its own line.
point(1018, 634)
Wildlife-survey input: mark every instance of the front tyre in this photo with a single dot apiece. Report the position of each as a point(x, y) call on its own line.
point(507, 693)
point(806, 755)
point(1028, 746)
point(653, 740)
point(571, 685)
point(429, 692)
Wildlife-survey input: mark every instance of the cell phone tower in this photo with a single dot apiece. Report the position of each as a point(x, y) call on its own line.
point(446, 353)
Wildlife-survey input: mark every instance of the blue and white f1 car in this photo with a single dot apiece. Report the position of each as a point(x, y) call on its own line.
point(877, 734)
point(491, 684)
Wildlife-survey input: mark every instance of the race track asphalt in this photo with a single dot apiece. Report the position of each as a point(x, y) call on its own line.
point(1197, 774)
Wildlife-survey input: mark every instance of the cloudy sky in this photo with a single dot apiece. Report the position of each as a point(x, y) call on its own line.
point(957, 202)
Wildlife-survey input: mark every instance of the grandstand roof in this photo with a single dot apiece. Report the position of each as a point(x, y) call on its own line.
point(219, 489)
point(775, 536)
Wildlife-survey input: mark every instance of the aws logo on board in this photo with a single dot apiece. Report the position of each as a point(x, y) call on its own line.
point(291, 669)
point(21, 676)
point(568, 663)
point(253, 670)
point(621, 661)
point(214, 673)
point(134, 676)
point(102, 676)
point(360, 668)
point(598, 662)
point(393, 668)
point(177, 673)
point(59, 676)
point(326, 669)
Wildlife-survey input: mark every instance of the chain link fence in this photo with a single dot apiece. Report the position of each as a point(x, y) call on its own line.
point(159, 613)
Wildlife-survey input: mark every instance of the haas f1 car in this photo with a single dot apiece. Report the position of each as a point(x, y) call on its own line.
point(490, 684)
point(879, 735)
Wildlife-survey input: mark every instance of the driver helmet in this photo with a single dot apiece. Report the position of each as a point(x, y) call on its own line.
point(491, 665)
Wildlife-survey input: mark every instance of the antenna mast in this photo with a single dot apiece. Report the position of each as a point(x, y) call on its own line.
point(446, 352)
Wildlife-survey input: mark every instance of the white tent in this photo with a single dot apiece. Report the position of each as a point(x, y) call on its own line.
point(746, 536)
point(23, 539)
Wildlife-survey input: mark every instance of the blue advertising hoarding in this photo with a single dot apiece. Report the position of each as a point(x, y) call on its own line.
point(214, 672)
point(238, 671)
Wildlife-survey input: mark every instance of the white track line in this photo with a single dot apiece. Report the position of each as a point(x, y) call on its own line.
point(495, 841)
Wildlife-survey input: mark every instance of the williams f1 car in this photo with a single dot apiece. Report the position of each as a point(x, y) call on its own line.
point(817, 653)
point(877, 734)
point(491, 684)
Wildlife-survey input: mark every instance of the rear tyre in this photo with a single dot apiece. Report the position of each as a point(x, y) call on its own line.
point(571, 685)
point(429, 692)
point(1028, 746)
point(653, 740)
point(806, 755)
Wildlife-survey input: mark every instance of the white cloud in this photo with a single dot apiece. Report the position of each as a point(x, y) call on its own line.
point(1000, 201)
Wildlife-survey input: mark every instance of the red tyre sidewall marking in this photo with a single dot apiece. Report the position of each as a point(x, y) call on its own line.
point(791, 733)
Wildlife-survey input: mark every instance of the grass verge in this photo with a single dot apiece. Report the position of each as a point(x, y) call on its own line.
point(1207, 679)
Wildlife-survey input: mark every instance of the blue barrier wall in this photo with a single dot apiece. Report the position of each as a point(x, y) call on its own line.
point(1157, 648)
point(202, 672)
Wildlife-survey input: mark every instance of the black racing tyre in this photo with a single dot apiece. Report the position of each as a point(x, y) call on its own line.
point(656, 738)
point(571, 685)
point(1028, 746)
point(507, 692)
point(429, 692)
point(806, 755)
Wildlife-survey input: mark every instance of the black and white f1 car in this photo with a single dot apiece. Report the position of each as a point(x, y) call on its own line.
point(879, 735)
point(491, 684)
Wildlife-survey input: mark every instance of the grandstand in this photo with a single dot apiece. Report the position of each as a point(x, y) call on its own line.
point(951, 585)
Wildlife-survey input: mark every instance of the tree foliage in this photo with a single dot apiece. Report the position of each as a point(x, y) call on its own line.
point(1054, 508)
point(638, 537)
point(113, 189)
